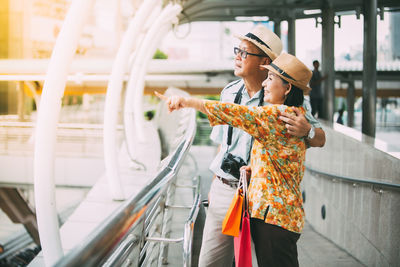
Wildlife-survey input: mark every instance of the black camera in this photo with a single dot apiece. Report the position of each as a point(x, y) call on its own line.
point(231, 164)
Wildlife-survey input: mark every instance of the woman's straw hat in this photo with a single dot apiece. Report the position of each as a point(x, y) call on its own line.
point(292, 70)
point(264, 39)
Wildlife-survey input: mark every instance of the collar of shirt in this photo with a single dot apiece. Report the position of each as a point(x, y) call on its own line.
point(246, 100)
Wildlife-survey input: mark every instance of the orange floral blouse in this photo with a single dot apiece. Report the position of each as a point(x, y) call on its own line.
point(277, 161)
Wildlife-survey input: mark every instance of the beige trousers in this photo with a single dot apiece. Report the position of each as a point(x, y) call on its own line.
point(217, 248)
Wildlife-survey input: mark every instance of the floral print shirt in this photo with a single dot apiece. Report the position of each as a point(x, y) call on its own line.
point(277, 161)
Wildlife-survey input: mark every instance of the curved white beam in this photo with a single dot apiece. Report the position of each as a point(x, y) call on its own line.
point(112, 101)
point(45, 137)
point(133, 112)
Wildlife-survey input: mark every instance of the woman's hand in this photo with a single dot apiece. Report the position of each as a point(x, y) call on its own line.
point(173, 102)
point(177, 102)
point(248, 172)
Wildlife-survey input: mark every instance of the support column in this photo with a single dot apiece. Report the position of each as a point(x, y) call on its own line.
point(21, 100)
point(369, 67)
point(350, 102)
point(18, 210)
point(277, 28)
point(328, 61)
point(292, 36)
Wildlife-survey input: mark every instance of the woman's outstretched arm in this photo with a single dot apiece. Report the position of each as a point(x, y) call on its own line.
point(178, 102)
point(256, 122)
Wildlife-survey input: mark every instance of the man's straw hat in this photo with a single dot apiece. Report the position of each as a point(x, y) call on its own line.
point(264, 39)
point(292, 70)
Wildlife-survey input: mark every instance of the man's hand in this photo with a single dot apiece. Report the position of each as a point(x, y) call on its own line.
point(296, 124)
point(248, 172)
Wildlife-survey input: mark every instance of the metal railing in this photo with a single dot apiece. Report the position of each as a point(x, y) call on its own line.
point(18, 137)
point(126, 237)
point(354, 181)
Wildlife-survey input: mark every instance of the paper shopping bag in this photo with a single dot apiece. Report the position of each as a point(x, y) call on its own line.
point(231, 222)
point(242, 243)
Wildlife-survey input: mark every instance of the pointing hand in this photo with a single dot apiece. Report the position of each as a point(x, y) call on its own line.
point(173, 102)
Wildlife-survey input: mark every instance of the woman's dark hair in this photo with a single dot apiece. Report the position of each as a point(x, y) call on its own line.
point(295, 97)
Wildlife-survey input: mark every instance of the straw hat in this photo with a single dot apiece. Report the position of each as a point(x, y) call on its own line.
point(265, 39)
point(292, 70)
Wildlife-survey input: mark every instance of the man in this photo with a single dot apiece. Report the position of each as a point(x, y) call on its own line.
point(258, 47)
point(316, 92)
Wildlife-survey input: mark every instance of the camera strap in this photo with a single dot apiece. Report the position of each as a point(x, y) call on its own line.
point(237, 100)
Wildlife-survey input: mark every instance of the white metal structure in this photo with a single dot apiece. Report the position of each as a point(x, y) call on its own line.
point(134, 93)
point(113, 96)
point(53, 90)
point(46, 127)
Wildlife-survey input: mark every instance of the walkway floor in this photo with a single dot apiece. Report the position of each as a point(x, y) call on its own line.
point(314, 249)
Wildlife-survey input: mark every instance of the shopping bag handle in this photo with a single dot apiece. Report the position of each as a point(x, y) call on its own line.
point(243, 185)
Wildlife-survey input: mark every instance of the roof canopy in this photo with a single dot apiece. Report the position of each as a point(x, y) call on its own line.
point(229, 10)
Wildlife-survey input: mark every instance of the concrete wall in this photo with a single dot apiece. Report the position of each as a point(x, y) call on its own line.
point(361, 219)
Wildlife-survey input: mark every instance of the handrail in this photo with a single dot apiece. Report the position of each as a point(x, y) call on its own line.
point(355, 180)
point(111, 233)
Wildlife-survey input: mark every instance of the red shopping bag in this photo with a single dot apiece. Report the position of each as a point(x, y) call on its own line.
point(242, 243)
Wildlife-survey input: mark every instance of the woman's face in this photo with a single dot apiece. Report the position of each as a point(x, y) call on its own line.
point(275, 90)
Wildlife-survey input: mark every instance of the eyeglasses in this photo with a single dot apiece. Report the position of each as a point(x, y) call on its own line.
point(243, 53)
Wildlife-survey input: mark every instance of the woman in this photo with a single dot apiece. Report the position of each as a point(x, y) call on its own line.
point(277, 158)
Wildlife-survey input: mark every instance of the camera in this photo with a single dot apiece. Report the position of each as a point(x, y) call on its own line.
point(231, 164)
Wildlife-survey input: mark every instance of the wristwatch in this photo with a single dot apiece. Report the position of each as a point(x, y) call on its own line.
point(311, 133)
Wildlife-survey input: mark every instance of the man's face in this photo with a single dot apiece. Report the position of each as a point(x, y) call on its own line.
point(245, 67)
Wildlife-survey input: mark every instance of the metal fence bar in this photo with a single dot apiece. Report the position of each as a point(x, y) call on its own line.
point(189, 228)
point(352, 180)
point(108, 237)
